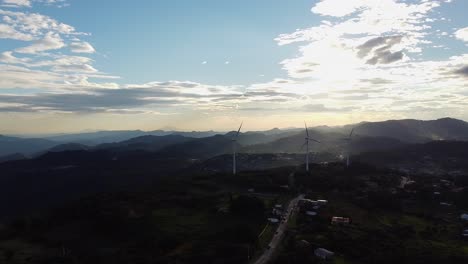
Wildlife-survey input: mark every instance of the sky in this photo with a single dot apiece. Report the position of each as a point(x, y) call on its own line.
point(80, 65)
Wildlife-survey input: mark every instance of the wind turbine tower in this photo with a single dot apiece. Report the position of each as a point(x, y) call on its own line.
point(234, 145)
point(348, 147)
point(307, 140)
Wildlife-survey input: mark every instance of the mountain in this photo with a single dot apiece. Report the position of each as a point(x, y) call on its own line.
point(25, 146)
point(200, 148)
point(102, 137)
point(147, 143)
point(12, 157)
point(436, 157)
point(414, 131)
point(368, 136)
point(68, 147)
point(330, 142)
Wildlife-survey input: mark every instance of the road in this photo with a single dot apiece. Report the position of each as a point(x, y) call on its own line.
point(279, 234)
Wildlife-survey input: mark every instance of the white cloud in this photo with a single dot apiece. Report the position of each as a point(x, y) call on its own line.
point(28, 3)
point(82, 47)
point(16, 3)
point(51, 41)
point(8, 32)
point(36, 24)
point(337, 8)
point(462, 34)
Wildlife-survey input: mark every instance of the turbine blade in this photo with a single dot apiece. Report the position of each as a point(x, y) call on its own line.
point(311, 139)
point(307, 130)
point(351, 134)
point(238, 131)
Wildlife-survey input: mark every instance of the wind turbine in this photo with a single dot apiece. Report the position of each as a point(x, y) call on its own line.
point(348, 147)
point(307, 140)
point(234, 142)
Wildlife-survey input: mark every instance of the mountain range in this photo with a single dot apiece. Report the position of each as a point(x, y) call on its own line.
point(58, 172)
point(368, 136)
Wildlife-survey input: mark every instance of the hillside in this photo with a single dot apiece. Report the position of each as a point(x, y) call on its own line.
point(25, 146)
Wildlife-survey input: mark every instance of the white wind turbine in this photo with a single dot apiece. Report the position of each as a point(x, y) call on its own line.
point(234, 144)
point(307, 140)
point(348, 146)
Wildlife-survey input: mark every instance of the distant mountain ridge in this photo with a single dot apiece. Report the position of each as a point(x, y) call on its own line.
point(368, 136)
point(415, 131)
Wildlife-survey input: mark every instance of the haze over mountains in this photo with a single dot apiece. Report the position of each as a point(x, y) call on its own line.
point(368, 136)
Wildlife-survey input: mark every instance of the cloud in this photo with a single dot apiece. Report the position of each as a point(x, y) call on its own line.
point(8, 32)
point(385, 57)
point(462, 34)
point(36, 24)
point(16, 3)
point(51, 41)
point(320, 108)
point(28, 3)
point(463, 71)
point(81, 47)
point(378, 42)
point(337, 8)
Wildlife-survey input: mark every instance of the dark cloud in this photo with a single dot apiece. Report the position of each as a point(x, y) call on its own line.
point(385, 57)
point(371, 44)
point(320, 108)
point(304, 70)
point(377, 81)
point(101, 100)
point(463, 71)
point(379, 50)
point(355, 97)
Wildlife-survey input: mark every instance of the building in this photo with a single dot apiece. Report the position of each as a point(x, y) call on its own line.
point(465, 233)
point(323, 253)
point(311, 213)
point(322, 202)
point(307, 201)
point(273, 220)
point(337, 220)
point(464, 217)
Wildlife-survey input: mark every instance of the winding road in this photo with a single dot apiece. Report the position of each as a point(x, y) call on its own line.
point(279, 234)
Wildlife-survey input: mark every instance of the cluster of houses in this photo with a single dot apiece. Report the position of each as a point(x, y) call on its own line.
point(311, 209)
point(277, 214)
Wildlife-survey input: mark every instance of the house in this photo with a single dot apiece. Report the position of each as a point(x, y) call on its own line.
point(308, 201)
point(464, 217)
point(273, 220)
point(311, 213)
point(303, 243)
point(276, 212)
point(337, 220)
point(322, 202)
point(323, 253)
point(465, 233)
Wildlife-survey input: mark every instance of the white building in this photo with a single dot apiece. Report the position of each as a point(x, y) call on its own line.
point(464, 217)
point(323, 253)
point(273, 220)
point(311, 213)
